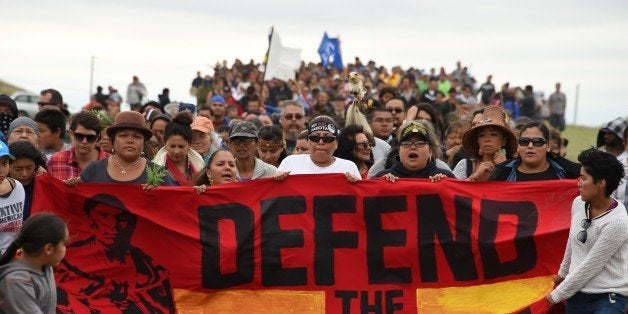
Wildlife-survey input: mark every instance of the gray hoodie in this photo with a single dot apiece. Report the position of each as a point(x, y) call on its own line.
point(25, 289)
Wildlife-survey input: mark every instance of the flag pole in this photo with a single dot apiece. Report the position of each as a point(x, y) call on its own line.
point(270, 38)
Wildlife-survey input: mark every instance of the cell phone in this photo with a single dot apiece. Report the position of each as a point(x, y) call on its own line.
point(612, 297)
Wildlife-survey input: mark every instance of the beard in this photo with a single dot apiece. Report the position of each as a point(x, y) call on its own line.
point(292, 135)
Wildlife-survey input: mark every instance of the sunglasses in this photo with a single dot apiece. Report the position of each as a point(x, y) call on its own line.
point(395, 110)
point(293, 116)
point(325, 139)
point(408, 144)
point(536, 141)
point(79, 137)
point(582, 235)
point(43, 103)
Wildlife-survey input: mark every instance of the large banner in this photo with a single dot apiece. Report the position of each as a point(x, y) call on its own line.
point(310, 244)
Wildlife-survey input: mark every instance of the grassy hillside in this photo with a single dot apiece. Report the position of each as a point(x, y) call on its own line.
point(580, 138)
point(8, 89)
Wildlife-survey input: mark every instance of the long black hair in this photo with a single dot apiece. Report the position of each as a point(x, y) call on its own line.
point(37, 231)
point(202, 175)
point(347, 144)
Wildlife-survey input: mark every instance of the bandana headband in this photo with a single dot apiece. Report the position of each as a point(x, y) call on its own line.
point(323, 126)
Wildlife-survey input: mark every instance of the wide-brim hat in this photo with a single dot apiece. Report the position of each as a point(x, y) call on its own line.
point(494, 117)
point(129, 120)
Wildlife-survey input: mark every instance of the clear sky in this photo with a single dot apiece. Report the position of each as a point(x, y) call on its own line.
point(50, 43)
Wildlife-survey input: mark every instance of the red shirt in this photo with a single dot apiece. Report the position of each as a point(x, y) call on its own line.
point(63, 165)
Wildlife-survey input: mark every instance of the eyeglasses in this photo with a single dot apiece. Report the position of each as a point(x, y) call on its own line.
point(293, 116)
point(79, 137)
point(395, 110)
point(325, 139)
point(582, 235)
point(408, 144)
point(364, 145)
point(536, 141)
point(25, 130)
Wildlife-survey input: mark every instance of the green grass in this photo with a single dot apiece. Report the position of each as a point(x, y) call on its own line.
point(8, 89)
point(580, 138)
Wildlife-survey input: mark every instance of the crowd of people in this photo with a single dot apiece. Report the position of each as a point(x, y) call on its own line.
point(417, 124)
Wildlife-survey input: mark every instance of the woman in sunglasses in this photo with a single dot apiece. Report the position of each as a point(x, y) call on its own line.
point(417, 154)
point(322, 143)
point(354, 144)
point(592, 276)
point(535, 161)
point(67, 165)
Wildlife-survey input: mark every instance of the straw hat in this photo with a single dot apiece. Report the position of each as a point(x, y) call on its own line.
point(129, 120)
point(494, 117)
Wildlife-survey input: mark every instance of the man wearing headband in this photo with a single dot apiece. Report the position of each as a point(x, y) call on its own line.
point(322, 143)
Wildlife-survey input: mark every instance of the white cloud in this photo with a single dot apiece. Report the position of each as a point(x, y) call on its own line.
point(49, 43)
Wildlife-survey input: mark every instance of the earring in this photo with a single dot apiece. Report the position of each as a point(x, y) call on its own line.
point(142, 154)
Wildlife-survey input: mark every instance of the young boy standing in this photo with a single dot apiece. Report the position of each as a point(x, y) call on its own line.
point(11, 201)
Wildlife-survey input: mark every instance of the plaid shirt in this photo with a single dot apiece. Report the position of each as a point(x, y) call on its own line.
point(63, 165)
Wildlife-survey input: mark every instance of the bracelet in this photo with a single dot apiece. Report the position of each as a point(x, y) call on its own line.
point(472, 178)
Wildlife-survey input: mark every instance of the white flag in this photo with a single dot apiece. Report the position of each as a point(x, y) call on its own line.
point(282, 61)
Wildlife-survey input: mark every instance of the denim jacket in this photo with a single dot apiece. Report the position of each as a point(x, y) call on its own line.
point(512, 177)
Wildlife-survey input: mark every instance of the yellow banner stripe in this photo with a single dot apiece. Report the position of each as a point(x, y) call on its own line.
point(501, 297)
point(249, 301)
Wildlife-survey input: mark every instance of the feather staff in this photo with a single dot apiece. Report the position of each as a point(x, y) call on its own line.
point(359, 106)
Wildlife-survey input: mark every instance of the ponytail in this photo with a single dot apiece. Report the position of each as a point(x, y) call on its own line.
point(36, 232)
point(8, 255)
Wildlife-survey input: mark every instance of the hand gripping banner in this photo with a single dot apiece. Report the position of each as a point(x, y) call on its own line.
point(310, 244)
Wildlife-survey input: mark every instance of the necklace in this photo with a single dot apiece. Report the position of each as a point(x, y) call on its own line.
point(125, 170)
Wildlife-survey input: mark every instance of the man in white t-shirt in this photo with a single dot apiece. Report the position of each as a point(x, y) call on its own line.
point(322, 142)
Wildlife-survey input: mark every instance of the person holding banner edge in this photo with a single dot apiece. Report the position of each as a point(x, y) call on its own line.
point(415, 155)
point(592, 276)
point(221, 168)
point(322, 142)
point(126, 164)
point(535, 161)
point(484, 141)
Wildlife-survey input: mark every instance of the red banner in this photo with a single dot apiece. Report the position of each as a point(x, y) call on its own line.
point(313, 243)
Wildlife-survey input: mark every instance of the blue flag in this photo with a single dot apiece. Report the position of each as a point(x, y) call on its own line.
point(329, 50)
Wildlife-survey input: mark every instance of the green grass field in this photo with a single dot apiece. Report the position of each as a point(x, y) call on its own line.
point(580, 138)
point(8, 89)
